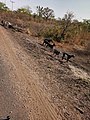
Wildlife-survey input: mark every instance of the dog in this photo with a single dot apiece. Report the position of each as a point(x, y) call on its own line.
point(68, 56)
point(47, 41)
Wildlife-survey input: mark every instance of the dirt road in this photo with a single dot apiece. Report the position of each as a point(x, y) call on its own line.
point(35, 85)
point(21, 96)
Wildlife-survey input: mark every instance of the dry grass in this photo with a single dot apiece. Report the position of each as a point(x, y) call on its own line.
point(40, 28)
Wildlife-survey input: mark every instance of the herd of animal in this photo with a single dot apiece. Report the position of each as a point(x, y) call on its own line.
point(49, 43)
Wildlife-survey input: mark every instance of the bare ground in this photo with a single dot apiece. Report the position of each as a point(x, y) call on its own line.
point(35, 85)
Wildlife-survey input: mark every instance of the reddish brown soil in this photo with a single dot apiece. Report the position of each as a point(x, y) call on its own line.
point(35, 85)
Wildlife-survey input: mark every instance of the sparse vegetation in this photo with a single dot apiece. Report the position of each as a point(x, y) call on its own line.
point(44, 68)
point(43, 24)
point(3, 7)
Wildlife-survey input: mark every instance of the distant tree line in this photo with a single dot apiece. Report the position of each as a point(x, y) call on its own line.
point(62, 29)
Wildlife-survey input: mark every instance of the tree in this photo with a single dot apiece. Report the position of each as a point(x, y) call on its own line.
point(48, 13)
point(3, 7)
point(39, 11)
point(86, 24)
point(66, 22)
point(45, 12)
point(26, 10)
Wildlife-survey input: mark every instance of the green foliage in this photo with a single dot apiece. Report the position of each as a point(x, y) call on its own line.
point(86, 25)
point(51, 32)
point(3, 7)
point(26, 10)
point(74, 30)
point(48, 32)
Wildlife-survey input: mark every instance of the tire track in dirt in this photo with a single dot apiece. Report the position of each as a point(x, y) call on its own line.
point(36, 103)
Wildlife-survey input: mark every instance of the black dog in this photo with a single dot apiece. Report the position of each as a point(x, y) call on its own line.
point(47, 41)
point(56, 52)
point(68, 56)
point(50, 45)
